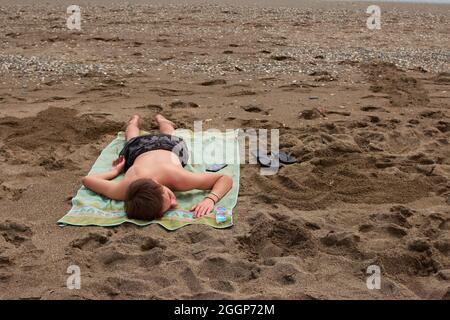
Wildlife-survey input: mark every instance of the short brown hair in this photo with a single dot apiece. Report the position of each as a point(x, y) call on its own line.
point(144, 200)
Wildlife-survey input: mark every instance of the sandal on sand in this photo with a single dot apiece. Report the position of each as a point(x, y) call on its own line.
point(285, 158)
point(262, 157)
point(266, 161)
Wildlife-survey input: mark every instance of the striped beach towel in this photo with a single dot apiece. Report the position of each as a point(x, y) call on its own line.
point(92, 209)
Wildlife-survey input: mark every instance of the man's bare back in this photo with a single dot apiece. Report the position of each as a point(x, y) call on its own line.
point(160, 167)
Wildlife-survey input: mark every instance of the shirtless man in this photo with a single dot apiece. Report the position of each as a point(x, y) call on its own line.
point(153, 167)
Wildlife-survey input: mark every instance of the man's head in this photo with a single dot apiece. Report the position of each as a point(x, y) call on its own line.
point(146, 199)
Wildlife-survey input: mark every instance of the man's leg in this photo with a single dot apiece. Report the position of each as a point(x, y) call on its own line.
point(165, 126)
point(132, 130)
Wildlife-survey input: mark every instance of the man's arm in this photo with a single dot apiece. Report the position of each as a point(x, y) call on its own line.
point(219, 184)
point(99, 182)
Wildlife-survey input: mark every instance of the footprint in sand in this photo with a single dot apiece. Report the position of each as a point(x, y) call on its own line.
point(222, 286)
point(277, 238)
point(150, 243)
point(111, 256)
point(443, 245)
point(178, 104)
point(114, 286)
point(15, 232)
point(392, 217)
point(284, 273)
point(443, 126)
point(345, 243)
point(50, 163)
point(152, 257)
point(191, 280)
point(18, 255)
point(432, 114)
point(419, 245)
point(224, 268)
point(5, 260)
point(90, 242)
point(12, 190)
point(366, 227)
point(395, 230)
point(155, 108)
point(196, 236)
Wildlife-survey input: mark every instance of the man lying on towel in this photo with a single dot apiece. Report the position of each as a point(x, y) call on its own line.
point(153, 166)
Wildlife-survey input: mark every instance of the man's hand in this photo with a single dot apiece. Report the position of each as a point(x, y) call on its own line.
point(203, 207)
point(118, 165)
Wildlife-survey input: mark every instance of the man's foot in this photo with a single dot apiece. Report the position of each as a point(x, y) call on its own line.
point(134, 120)
point(160, 119)
point(132, 128)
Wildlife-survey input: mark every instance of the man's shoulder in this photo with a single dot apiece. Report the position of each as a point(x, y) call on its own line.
point(120, 189)
point(183, 179)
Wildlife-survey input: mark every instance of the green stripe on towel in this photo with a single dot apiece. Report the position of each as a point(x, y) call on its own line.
point(92, 209)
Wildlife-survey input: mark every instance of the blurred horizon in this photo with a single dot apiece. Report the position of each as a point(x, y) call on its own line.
point(259, 3)
point(408, 1)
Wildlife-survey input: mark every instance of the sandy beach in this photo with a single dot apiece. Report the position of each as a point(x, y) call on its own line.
point(366, 112)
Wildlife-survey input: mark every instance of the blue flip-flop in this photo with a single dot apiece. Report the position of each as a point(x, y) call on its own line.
point(262, 157)
point(285, 158)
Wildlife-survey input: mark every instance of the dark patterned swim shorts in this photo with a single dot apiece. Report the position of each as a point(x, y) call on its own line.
point(138, 145)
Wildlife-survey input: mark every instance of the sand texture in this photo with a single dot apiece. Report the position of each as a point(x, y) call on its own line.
point(366, 113)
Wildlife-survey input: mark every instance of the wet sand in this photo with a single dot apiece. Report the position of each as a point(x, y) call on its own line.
point(366, 113)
